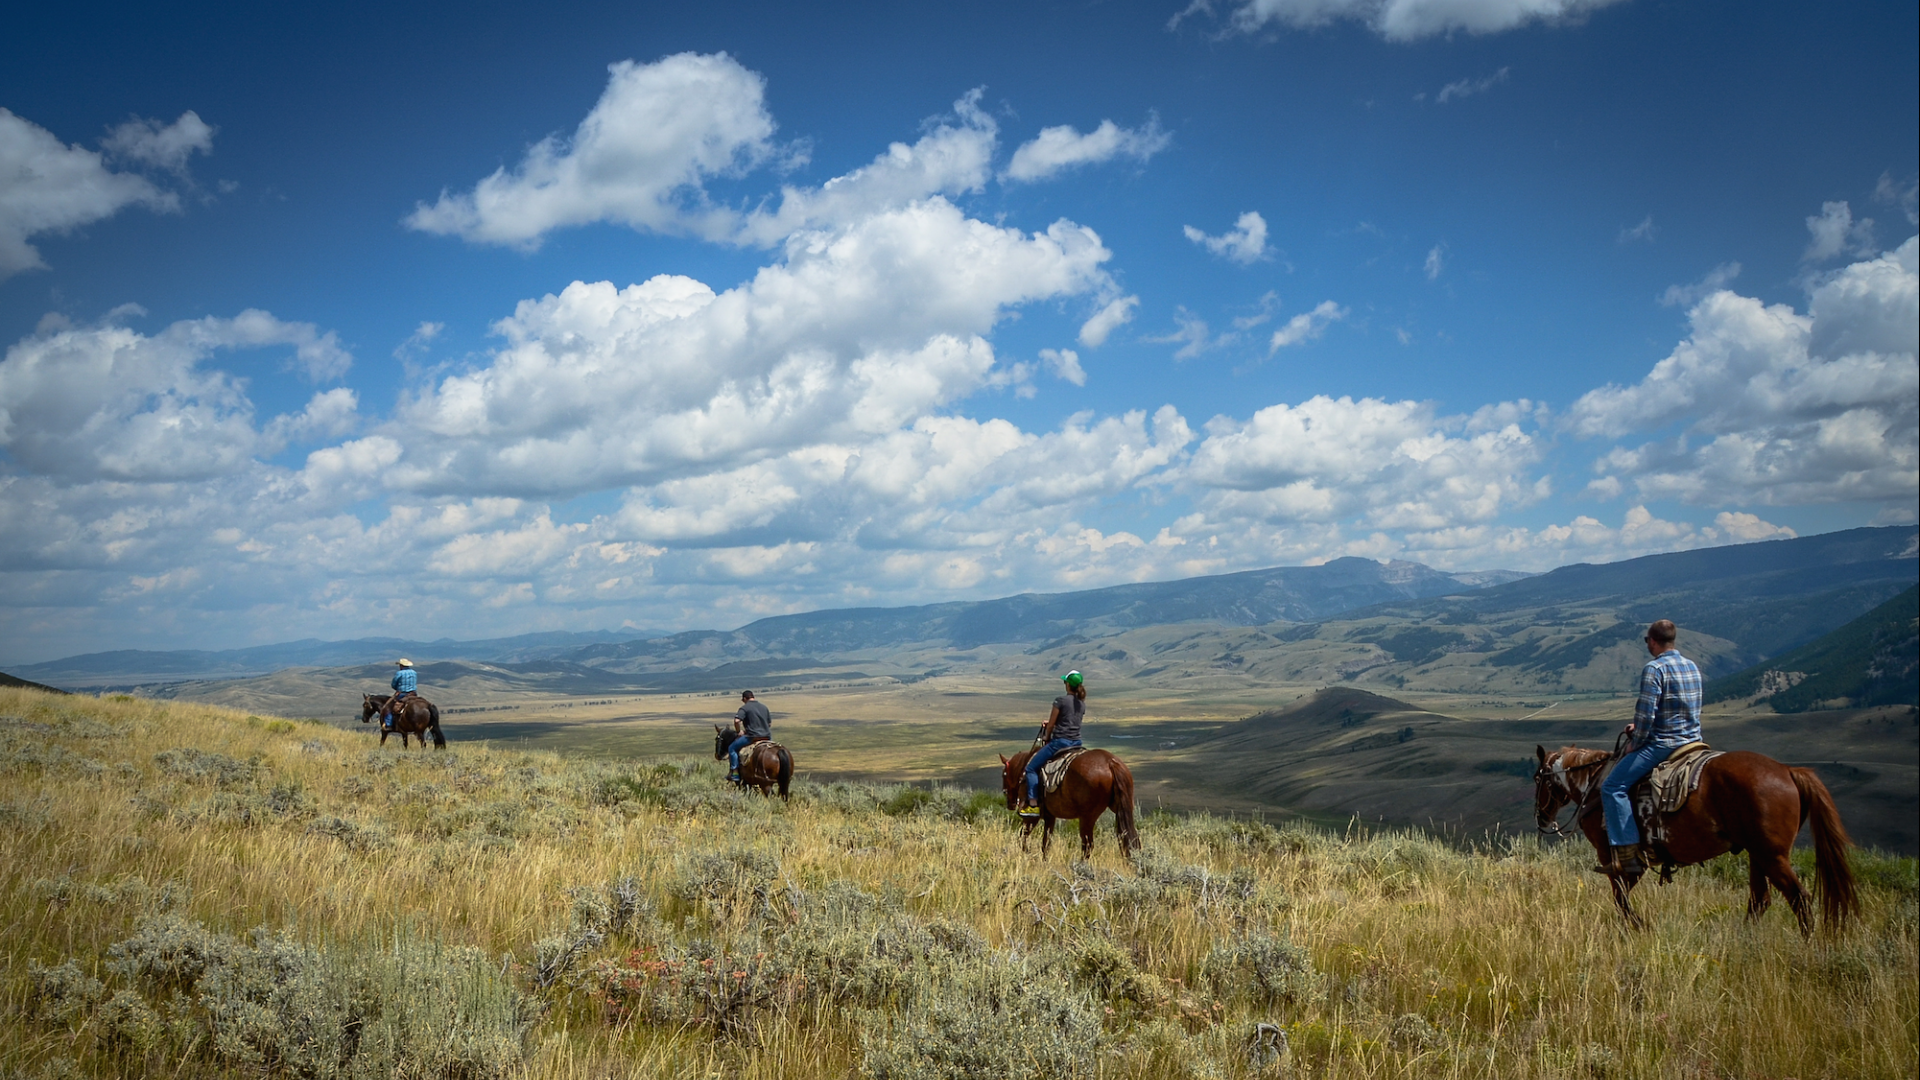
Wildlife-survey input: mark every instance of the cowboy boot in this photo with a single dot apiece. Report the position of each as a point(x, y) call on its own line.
point(1625, 862)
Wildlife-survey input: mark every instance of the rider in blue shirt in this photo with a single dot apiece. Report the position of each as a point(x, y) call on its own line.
point(405, 684)
point(1665, 718)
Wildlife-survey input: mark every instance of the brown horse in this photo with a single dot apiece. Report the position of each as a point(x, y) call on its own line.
point(1096, 782)
point(1745, 802)
point(762, 764)
point(415, 716)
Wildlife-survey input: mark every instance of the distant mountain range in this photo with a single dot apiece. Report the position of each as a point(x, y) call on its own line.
point(1398, 625)
point(1294, 594)
point(1252, 598)
point(130, 666)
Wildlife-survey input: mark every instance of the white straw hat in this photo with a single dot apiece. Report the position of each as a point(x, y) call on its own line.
point(403, 662)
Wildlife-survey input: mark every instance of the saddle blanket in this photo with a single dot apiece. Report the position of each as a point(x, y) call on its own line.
point(1674, 779)
point(1667, 789)
point(756, 748)
point(1055, 770)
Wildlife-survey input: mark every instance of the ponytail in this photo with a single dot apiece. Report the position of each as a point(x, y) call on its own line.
point(1079, 692)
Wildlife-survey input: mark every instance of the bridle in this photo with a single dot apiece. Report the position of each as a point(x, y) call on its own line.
point(1575, 785)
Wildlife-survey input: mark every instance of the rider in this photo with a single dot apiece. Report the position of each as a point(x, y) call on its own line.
point(754, 723)
point(405, 684)
point(1061, 732)
point(1666, 717)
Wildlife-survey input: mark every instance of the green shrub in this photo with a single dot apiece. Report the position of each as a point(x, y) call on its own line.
point(278, 1007)
point(62, 992)
point(997, 1019)
point(206, 766)
point(724, 883)
point(1261, 967)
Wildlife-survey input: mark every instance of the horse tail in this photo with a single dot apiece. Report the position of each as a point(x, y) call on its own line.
point(1121, 802)
point(433, 725)
point(1838, 897)
point(786, 770)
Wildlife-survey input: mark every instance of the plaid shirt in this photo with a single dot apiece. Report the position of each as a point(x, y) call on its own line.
point(1668, 712)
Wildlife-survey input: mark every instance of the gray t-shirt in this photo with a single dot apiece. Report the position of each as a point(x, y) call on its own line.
point(755, 721)
point(1072, 709)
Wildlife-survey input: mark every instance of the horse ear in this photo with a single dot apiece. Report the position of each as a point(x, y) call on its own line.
point(1003, 759)
point(1542, 752)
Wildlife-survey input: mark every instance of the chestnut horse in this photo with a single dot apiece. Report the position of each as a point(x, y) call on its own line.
point(1096, 782)
point(415, 716)
point(1745, 802)
point(762, 764)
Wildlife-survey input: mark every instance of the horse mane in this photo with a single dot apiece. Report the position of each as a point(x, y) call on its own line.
point(1574, 757)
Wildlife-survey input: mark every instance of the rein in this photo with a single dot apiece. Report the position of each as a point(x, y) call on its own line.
point(1577, 790)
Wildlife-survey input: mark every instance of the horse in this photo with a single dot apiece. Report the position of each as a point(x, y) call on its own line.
point(1096, 782)
point(415, 716)
point(1745, 802)
point(762, 764)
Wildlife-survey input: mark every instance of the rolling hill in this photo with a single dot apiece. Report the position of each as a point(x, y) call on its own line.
point(1873, 660)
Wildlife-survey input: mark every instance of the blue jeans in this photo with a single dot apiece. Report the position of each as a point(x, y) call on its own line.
point(1614, 802)
point(1039, 759)
point(733, 751)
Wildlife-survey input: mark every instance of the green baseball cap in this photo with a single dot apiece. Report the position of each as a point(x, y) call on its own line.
point(1072, 679)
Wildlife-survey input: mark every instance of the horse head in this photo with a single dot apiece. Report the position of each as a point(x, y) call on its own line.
point(721, 737)
point(1010, 779)
point(1563, 779)
point(367, 707)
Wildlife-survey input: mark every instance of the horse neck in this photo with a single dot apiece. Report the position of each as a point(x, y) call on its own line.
point(1582, 769)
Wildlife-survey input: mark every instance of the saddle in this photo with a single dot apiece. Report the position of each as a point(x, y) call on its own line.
point(1055, 770)
point(751, 752)
point(1667, 789)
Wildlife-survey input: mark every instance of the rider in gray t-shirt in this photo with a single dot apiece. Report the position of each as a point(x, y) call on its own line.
point(754, 723)
point(1061, 732)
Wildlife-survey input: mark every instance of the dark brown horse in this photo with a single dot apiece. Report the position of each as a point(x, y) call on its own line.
point(1745, 802)
point(762, 764)
point(415, 716)
point(1096, 782)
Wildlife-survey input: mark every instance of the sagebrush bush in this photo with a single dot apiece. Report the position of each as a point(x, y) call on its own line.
point(276, 1006)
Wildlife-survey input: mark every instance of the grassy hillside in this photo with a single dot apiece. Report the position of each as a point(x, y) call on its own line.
point(191, 891)
point(1873, 660)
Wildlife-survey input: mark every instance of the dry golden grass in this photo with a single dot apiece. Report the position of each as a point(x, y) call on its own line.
point(1424, 960)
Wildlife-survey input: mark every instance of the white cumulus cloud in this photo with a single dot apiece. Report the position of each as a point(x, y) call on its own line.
point(640, 158)
point(1397, 20)
point(1836, 233)
point(1780, 407)
point(855, 331)
point(162, 146)
point(1306, 326)
point(1245, 243)
point(1057, 149)
point(1113, 315)
point(107, 402)
point(953, 158)
point(47, 186)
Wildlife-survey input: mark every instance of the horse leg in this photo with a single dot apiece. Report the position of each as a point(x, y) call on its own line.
point(1046, 834)
point(1623, 885)
point(1775, 867)
point(1026, 833)
point(1086, 835)
point(1758, 898)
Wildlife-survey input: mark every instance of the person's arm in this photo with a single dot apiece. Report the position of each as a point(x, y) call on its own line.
point(1647, 707)
point(1053, 717)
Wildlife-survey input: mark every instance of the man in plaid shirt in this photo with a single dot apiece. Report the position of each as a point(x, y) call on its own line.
point(1666, 717)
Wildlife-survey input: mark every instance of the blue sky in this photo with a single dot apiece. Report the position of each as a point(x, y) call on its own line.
point(907, 302)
